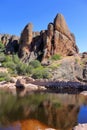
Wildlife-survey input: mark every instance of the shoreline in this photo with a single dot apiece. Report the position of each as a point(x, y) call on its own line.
point(31, 85)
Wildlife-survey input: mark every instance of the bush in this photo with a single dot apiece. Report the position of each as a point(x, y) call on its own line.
point(46, 74)
point(34, 68)
point(10, 65)
point(29, 69)
point(35, 64)
point(15, 65)
point(16, 59)
point(37, 74)
point(2, 57)
point(4, 76)
point(24, 69)
point(2, 47)
point(56, 57)
point(21, 68)
point(41, 74)
point(8, 58)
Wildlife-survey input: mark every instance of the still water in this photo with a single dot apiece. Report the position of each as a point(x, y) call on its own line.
point(37, 111)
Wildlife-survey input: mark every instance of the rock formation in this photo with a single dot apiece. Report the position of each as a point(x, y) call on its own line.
point(12, 45)
point(57, 39)
point(4, 38)
point(26, 40)
point(11, 42)
point(64, 40)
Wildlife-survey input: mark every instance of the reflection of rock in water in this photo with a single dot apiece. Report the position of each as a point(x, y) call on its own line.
point(54, 110)
point(56, 115)
point(31, 124)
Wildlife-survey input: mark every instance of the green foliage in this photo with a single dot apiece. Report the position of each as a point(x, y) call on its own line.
point(56, 57)
point(2, 57)
point(37, 74)
point(35, 64)
point(4, 76)
point(41, 73)
point(16, 59)
point(9, 64)
point(2, 47)
point(16, 67)
point(24, 69)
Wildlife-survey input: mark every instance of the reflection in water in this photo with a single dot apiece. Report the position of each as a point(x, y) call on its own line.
point(82, 116)
point(42, 110)
point(15, 127)
point(31, 125)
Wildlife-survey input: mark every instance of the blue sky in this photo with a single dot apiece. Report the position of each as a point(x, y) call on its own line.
point(15, 14)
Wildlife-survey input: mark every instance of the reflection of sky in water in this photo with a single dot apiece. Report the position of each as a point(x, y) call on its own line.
point(17, 127)
point(82, 116)
point(46, 108)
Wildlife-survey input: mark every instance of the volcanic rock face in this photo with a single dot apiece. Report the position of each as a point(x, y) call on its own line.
point(25, 40)
point(57, 39)
point(11, 42)
point(64, 41)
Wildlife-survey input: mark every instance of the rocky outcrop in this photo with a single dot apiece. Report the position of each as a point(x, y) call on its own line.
point(11, 42)
point(84, 55)
point(57, 39)
point(4, 38)
point(80, 127)
point(61, 26)
point(26, 40)
point(85, 72)
point(68, 69)
point(64, 40)
point(12, 45)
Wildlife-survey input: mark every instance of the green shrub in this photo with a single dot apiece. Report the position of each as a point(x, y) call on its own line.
point(8, 58)
point(41, 73)
point(34, 68)
point(2, 47)
point(56, 57)
point(46, 74)
point(29, 69)
point(35, 64)
point(16, 59)
point(24, 69)
point(4, 76)
point(10, 65)
point(37, 74)
point(21, 68)
point(2, 57)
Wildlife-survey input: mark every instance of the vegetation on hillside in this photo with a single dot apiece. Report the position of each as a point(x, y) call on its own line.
point(16, 67)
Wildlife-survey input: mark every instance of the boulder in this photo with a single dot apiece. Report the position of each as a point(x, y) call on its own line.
point(80, 127)
point(21, 83)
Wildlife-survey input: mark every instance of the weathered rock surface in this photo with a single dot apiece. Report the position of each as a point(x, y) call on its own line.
point(80, 127)
point(84, 55)
point(57, 39)
point(11, 43)
point(68, 69)
point(26, 40)
point(20, 83)
point(64, 40)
